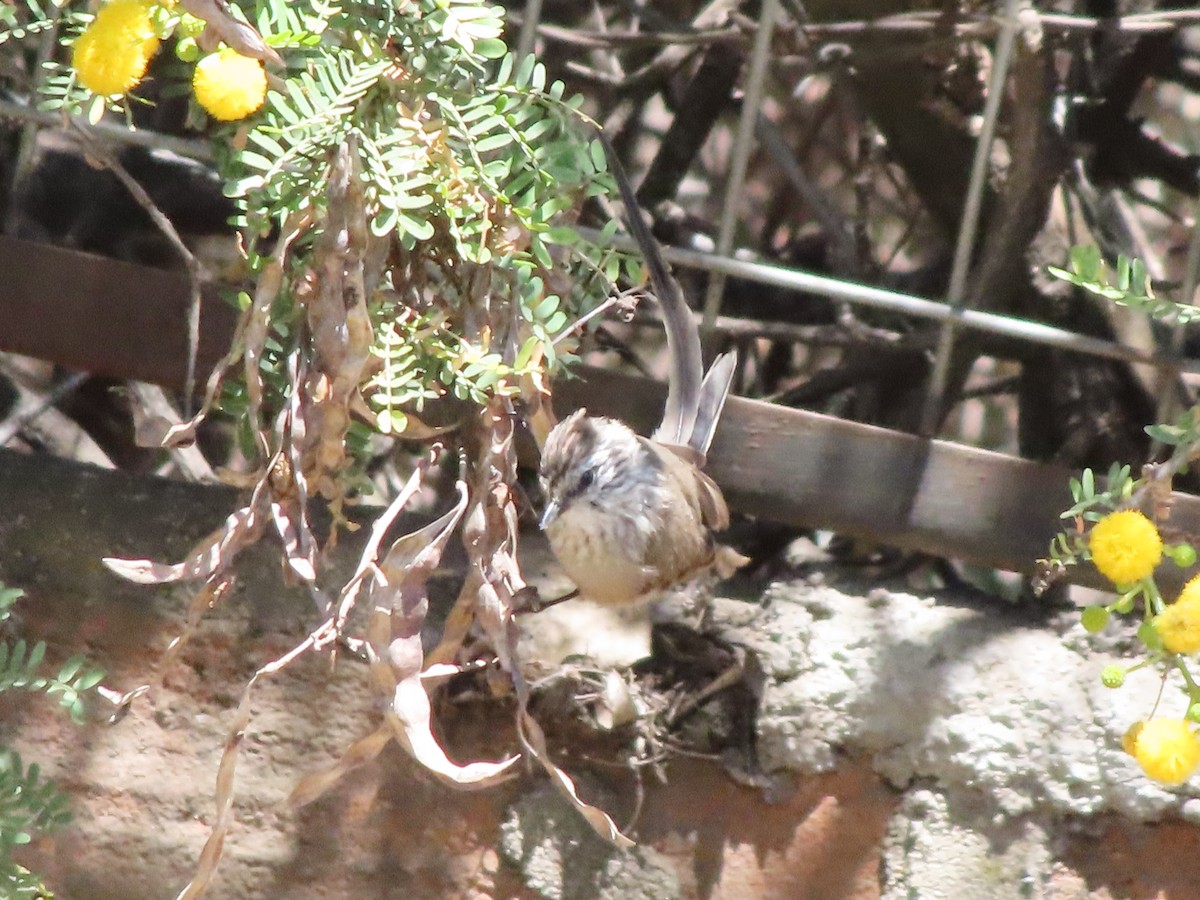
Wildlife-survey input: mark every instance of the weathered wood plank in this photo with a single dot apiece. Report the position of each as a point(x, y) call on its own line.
point(781, 464)
point(809, 469)
point(99, 315)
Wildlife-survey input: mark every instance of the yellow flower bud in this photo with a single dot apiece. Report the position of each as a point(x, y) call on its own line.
point(1167, 749)
point(1179, 624)
point(111, 55)
point(1125, 546)
point(230, 86)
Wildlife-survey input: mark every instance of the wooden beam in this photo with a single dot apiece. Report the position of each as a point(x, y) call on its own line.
point(103, 316)
point(809, 469)
point(781, 464)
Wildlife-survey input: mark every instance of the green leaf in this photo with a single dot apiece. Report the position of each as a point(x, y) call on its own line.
point(1137, 275)
point(17, 659)
point(35, 657)
point(391, 421)
point(535, 132)
point(562, 234)
point(525, 71)
point(90, 680)
point(547, 307)
point(495, 141)
point(599, 158)
point(1166, 434)
point(421, 229)
point(1085, 260)
point(95, 111)
point(491, 48)
point(483, 108)
point(504, 73)
point(385, 222)
point(256, 160)
point(70, 668)
point(525, 354)
point(540, 252)
point(412, 201)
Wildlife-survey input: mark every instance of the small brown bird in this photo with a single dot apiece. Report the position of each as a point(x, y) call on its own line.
point(629, 516)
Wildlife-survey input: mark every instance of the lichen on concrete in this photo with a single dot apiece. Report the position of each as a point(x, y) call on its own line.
point(933, 850)
point(561, 858)
point(995, 725)
point(960, 694)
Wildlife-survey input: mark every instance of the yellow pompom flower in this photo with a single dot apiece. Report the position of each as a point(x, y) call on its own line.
point(1179, 624)
point(230, 86)
point(111, 55)
point(1166, 749)
point(1125, 546)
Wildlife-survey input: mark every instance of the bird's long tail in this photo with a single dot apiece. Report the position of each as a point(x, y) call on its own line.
point(694, 399)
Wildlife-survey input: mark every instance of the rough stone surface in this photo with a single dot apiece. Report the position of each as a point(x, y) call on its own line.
point(561, 858)
point(938, 847)
point(969, 696)
point(142, 789)
point(995, 727)
point(909, 746)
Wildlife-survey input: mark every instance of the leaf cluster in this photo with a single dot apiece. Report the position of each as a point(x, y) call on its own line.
point(29, 803)
point(19, 21)
point(21, 665)
point(473, 167)
point(1183, 432)
point(1129, 285)
point(1091, 502)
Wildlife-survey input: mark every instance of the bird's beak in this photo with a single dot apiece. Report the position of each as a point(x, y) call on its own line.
point(551, 513)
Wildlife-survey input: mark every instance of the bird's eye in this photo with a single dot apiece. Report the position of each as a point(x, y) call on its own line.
point(581, 483)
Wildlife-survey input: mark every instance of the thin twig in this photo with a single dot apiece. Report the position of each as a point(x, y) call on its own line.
point(25, 416)
point(108, 132)
point(105, 156)
point(614, 39)
point(969, 224)
point(740, 155)
point(27, 145)
point(910, 23)
point(818, 335)
point(988, 26)
point(622, 299)
point(1009, 384)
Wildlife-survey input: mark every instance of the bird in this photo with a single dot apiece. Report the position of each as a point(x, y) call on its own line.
point(629, 517)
